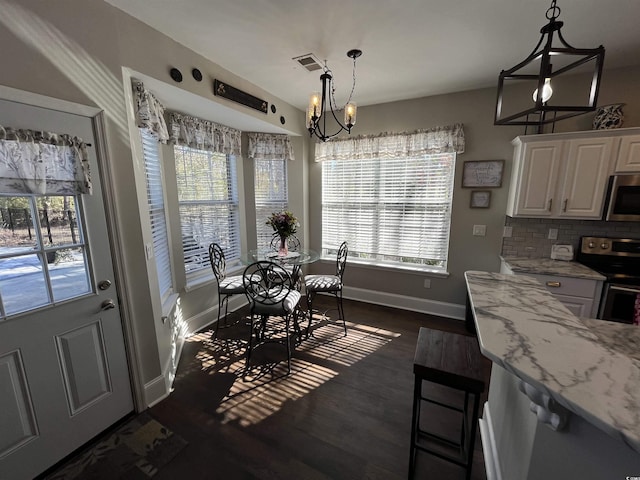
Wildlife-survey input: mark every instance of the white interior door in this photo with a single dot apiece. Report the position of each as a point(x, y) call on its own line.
point(64, 376)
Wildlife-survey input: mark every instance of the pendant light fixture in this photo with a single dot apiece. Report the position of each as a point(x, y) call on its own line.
point(321, 104)
point(545, 71)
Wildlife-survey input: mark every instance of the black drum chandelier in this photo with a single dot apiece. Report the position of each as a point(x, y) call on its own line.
point(544, 71)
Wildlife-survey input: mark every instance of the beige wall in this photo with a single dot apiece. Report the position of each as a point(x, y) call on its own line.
point(484, 141)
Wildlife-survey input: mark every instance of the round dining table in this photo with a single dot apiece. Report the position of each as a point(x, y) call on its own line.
point(294, 260)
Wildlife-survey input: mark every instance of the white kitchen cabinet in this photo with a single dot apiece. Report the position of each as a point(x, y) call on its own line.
point(628, 155)
point(559, 177)
point(580, 295)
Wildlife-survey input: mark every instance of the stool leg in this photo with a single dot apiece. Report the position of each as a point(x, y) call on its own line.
point(415, 419)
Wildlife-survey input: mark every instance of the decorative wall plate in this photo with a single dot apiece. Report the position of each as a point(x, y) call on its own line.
point(608, 116)
point(197, 74)
point(176, 74)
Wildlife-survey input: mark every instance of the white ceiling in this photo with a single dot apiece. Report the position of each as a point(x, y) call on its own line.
point(412, 48)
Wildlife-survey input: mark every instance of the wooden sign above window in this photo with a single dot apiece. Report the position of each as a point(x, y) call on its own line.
point(225, 90)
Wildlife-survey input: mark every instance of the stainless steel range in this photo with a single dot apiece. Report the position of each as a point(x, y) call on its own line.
point(618, 259)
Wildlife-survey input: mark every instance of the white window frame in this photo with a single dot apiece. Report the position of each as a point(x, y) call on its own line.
point(271, 195)
point(202, 190)
point(361, 196)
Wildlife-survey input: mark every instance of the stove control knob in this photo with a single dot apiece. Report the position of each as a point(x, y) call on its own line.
point(592, 245)
point(604, 246)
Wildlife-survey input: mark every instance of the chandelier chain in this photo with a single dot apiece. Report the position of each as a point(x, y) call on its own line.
point(553, 12)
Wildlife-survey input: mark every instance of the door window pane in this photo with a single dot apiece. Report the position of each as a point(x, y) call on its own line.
point(41, 262)
point(22, 284)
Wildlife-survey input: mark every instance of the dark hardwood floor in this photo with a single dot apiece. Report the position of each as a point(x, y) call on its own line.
point(344, 412)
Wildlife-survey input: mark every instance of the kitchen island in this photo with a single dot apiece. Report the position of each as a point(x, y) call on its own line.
point(563, 402)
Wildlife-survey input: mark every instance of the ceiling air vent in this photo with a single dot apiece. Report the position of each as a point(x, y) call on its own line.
point(308, 61)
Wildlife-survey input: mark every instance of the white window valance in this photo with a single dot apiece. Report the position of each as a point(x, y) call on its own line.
point(449, 139)
point(150, 113)
point(42, 163)
point(204, 135)
point(268, 146)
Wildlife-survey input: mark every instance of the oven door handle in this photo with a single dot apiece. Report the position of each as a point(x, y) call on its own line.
point(624, 289)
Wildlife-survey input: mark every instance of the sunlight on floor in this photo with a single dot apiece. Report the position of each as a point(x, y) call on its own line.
point(266, 387)
point(361, 341)
point(251, 401)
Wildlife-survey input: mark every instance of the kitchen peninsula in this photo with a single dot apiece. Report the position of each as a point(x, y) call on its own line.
point(564, 398)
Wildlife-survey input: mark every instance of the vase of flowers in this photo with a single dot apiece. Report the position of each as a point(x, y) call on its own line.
point(284, 224)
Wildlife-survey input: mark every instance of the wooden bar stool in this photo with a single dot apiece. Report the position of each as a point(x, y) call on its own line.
point(455, 361)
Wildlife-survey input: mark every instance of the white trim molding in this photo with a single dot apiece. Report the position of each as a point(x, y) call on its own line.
point(403, 302)
point(491, 463)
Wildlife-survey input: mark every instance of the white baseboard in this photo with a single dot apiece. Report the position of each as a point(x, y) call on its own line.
point(491, 464)
point(209, 316)
point(156, 390)
point(403, 302)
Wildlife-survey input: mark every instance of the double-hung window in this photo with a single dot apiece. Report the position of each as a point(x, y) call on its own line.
point(208, 206)
point(390, 197)
point(271, 195)
point(205, 160)
point(157, 212)
point(270, 153)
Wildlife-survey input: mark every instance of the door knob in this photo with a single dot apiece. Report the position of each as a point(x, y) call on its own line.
point(104, 284)
point(108, 304)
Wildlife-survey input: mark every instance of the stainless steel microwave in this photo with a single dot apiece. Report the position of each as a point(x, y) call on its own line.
point(623, 199)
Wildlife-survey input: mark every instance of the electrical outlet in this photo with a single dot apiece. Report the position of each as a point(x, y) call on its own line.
point(507, 232)
point(479, 230)
point(553, 234)
point(427, 283)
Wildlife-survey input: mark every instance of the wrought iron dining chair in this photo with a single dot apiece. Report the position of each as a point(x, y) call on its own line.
point(274, 301)
point(227, 286)
point(328, 284)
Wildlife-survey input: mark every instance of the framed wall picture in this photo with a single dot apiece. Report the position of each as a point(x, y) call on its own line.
point(482, 174)
point(480, 199)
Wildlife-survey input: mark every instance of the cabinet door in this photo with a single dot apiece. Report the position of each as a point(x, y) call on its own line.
point(538, 178)
point(629, 155)
point(580, 307)
point(585, 179)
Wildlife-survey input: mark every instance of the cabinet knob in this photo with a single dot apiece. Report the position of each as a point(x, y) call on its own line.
point(564, 206)
point(553, 284)
point(550, 203)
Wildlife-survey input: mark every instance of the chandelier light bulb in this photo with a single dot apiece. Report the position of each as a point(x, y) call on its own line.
point(547, 91)
point(350, 114)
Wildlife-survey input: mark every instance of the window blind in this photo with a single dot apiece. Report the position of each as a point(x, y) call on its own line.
point(157, 214)
point(208, 206)
point(270, 178)
point(389, 210)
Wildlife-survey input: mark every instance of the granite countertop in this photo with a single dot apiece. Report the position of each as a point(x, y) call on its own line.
point(583, 366)
point(620, 337)
point(546, 266)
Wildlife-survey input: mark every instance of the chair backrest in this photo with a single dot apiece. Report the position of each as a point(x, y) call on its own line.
point(266, 283)
point(218, 262)
point(293, 243)
point(341, 261)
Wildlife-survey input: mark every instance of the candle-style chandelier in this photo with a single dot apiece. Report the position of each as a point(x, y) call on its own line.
point(320, 105)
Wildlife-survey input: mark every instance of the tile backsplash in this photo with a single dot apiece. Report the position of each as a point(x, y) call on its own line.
point(529, 235)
